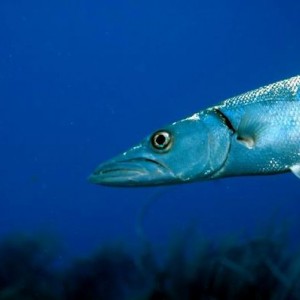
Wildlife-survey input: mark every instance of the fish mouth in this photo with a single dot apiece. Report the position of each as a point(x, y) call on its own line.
point(132, 172)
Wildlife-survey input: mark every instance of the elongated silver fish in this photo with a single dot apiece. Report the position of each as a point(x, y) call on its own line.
point(255, 133)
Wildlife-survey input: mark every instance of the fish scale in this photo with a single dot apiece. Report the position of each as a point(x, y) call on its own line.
point(285, 90)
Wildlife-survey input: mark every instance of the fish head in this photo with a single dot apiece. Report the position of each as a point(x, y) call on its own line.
point(181, 152)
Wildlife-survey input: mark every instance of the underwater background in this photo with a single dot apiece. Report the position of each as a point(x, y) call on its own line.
point(81, 81)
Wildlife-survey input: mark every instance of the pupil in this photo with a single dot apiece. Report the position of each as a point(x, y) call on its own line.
point(160, 140)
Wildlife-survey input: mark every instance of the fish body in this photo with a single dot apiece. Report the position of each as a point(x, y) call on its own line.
point(256, 133)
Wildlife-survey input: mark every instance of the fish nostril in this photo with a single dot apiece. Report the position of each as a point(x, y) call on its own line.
point(97, 172)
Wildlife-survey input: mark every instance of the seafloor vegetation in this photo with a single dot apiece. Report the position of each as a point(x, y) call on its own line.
point(258, 268)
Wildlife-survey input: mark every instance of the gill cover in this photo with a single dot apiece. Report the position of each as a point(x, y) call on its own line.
point(192, 149)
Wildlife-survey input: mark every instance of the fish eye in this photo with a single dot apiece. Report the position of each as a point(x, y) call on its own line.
point(161, 140)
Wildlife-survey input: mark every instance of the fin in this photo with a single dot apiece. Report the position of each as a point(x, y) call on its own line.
point(250, 130)
point(296, 170)
point(151, 199)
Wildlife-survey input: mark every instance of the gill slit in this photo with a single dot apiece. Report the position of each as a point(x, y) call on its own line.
point(225, 120)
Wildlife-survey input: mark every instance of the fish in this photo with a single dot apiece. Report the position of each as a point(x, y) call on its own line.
point(255, 133)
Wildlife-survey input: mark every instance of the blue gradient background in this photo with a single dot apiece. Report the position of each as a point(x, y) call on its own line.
point(81, 81)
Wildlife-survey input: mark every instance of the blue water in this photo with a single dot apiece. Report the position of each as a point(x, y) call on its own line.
point(81, 81)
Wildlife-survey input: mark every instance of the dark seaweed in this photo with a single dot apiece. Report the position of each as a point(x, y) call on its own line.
point(259, 268)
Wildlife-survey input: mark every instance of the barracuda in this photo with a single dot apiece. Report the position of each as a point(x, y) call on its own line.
point(255, 133)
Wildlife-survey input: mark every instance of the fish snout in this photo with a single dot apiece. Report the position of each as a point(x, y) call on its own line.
point(132, 172)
